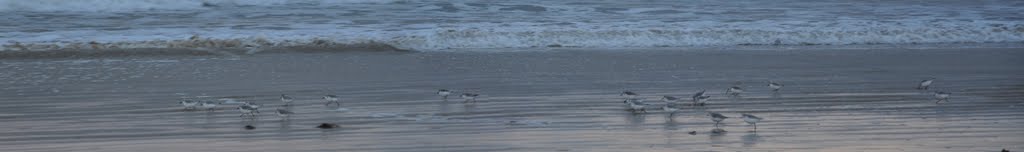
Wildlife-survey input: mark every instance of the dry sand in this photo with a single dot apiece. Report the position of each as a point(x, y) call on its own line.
point(560, 100)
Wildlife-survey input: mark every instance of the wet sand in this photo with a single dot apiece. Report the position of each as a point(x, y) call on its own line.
point(559, 100)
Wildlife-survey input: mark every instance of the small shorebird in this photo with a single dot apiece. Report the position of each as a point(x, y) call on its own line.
point(248, 110)
point(189, 104)
point(284, 113)
point(209, 105)
point(775, 86)
point(671, 108)
point(717, 117)
point(469, 97)
point(734, 91)
point(636, 105)
point(251, 104)
point(331, 99)
point(942, 96)
point(698, 94)
point(925, 83)
point(751, 119)
point(628, 94)
point(444, 93)
point(699, 98)
point(669, 99)
point(287, 99)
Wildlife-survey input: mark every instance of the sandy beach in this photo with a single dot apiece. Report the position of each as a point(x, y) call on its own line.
point(549, 100)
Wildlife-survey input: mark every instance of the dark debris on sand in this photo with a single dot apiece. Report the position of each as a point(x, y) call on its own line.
point(249, 127)
point(327, 126)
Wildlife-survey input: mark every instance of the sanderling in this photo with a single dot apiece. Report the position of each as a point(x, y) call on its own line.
point(751, 119)
point(287, 99)
point(925, 83)
point(942, 96)
point(331, 99)
point(469, 97)
point(444, 93)
point(734, 91)
point(284, 113)
point(669, 99)
point(698, 94)
point(251, 104)
point(209, 105)
point(189, 104)
point(636, 105)
point(699, 98)
point(775, 86)
point(628, 94)
point(717, 117)
point(671, 108)
point(248, 110)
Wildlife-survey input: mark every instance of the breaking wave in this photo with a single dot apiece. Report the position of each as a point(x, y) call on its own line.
point(253, 26)
point(529, 36)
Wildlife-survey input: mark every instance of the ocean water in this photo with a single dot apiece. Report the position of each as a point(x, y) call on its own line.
point(42, 25)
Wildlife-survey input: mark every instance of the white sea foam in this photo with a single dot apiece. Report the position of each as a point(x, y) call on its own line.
point(525, 35)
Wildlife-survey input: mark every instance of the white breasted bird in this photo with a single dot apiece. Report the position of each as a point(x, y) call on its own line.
point(247, 109)
point(734, 91)
point(287, 99)
point(636, 105)
point(775, 86)
point(189, 104)
point(925, 83)
point(671, 108)
point(444, 93)
point(209, 105)
point(700, 98)
point(751, 119)
point(942, 96)
point(331, 99)
point(717, 117)
point(469, 97)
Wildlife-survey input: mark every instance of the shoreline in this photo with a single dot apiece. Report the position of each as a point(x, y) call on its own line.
point(379, 47)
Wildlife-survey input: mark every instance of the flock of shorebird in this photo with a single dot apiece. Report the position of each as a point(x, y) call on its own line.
point(632, 100)
point(672, 106)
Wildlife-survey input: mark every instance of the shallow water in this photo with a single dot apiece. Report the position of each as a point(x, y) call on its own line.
point(559, 100)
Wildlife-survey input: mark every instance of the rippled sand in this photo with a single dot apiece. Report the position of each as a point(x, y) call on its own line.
point(560, 100)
